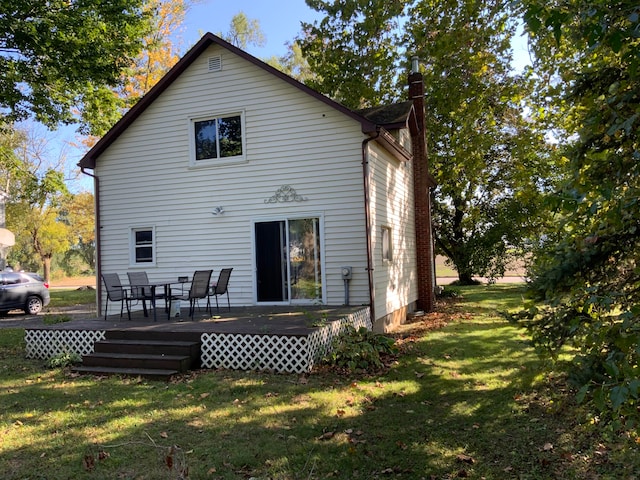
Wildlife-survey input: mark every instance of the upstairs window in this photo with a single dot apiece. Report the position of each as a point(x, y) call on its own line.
point(216, 138)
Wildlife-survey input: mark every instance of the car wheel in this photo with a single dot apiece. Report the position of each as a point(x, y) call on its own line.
point(33, 306)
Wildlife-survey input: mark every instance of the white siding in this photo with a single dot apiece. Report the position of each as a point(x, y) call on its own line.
point(291, 139)
point(392, 206)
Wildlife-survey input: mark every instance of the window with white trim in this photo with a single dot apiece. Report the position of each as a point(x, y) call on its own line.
point(143, 246)
point(217, 138)
point(387, 250)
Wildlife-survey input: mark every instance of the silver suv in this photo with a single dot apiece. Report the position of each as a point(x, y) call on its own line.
point(24, 291)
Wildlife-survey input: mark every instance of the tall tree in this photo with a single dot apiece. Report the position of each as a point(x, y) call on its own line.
point(56, 56)
point(35, 189)
point(77, 213)
point(588, 271)
point(487, 155)
point(353, 50)
point(159, 52)
point(293, 63)
point(34, 216)
point(243, 32)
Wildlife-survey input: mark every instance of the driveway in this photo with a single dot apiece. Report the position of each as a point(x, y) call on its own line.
point(18, 319)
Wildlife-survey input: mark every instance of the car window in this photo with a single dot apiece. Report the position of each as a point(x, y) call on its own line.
point(13, 279)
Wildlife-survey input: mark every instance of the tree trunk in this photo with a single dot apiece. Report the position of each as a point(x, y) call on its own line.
point(47, 268)
point(465, 278)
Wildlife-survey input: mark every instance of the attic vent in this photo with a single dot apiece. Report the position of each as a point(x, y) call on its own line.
point(215, 64)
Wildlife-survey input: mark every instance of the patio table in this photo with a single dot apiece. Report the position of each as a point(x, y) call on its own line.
point(152, 286)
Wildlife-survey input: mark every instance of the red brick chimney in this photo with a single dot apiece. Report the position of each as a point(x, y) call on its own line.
point(422, 182)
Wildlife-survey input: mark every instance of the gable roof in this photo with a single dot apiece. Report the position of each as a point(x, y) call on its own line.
point(89, 160)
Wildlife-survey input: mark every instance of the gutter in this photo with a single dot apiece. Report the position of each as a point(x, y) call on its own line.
point(367, 216)
point(96, 199)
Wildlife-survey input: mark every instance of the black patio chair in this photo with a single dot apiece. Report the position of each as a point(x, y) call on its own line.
point(220, 287)
point(140, 290)
point(199, 289)
point(115, 293)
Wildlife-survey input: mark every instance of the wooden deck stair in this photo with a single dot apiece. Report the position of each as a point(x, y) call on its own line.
point(134, 354)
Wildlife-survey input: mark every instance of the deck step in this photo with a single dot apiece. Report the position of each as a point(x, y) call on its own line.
point(181, 363)
point(150, 358)
point(165, 347)
point(150, 373)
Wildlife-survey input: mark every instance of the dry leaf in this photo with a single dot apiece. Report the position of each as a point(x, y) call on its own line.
point(89, 463)
point(547, 446)
point(204, 395)
point(326, 436)
point(340, 413)
point(465, 458)
point(164, 434)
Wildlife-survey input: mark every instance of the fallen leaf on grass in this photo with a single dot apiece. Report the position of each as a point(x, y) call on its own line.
point(326, 436)
point(164, 434)
point(89, 463)
point(465, 459)
point(340, 413)
point(547, 446)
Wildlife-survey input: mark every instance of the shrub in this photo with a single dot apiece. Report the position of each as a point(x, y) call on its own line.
point(360, 349)
point(64, 359)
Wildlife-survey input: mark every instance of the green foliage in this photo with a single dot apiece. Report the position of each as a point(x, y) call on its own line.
point(488, 157)
point(587, 272)
point(56, 55)
point(64, 359)
point(353, 51)
point(360, 349)
point(244, 32)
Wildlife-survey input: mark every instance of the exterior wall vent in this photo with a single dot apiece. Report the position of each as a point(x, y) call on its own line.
point(215, 64)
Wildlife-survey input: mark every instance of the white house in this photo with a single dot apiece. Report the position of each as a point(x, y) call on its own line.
point(228, 162)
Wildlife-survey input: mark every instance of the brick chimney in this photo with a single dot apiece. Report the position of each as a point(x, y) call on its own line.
point(422, 182)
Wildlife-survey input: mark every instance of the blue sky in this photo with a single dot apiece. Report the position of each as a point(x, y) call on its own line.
point(279, 21)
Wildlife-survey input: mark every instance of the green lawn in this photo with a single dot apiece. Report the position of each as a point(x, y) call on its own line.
point(466, 398)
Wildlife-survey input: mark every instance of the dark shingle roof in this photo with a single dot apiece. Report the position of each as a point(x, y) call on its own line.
point(388, 116)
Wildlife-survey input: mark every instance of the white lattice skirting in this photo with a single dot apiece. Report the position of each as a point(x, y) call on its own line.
point(45, 344)
point(278, 353)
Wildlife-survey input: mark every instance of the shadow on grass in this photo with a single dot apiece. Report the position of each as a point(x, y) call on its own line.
point(459, 402)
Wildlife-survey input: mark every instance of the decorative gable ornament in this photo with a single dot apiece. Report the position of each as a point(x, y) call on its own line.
point(285, 194)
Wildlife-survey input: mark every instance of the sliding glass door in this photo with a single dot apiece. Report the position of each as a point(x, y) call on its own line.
point(288, 260)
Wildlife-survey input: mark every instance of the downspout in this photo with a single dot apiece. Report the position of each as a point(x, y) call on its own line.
point(96, 199)
point(367, 217)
